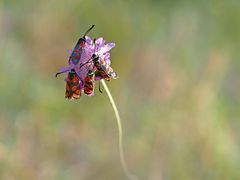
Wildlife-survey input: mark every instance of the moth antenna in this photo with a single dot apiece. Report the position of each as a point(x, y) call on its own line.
point(85, 63)
point(61, 72)
point(89, 30)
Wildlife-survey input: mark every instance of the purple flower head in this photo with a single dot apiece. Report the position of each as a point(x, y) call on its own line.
point(102, 50)
point(97, 48)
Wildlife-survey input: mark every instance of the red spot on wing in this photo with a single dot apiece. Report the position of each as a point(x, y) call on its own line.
point(82, 44)
point(74, 88)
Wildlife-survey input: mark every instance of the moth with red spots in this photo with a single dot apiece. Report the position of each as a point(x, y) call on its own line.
point(77, 51)
point(104, 70)
point(89, 83)
point(72, 86)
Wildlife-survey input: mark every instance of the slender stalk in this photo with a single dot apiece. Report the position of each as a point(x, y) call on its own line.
point(120, 141)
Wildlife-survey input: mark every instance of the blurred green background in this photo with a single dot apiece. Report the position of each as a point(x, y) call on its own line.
point(177, 91)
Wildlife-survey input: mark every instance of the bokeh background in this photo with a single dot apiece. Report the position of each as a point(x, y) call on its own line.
point(177, 91)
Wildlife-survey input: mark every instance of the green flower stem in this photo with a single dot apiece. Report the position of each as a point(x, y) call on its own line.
point(122, 158)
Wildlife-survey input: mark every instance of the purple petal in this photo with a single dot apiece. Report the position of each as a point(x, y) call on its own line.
point(63, 69)
point(106, 58)
point(86, 55)
point(81, 86)
point(98, 78)
point(106, 48)
point(82, 72)
point(69, 51)
point(99, 43)
point(88, 40)
point(108, 62)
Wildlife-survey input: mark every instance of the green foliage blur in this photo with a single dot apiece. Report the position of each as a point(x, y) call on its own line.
point(178, 90)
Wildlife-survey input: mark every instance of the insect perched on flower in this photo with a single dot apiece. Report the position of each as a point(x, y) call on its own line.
point(89, 83)
point(104, 70)
point(88, 62)
point(78, 49)
point(72, 86)
point(100, 60)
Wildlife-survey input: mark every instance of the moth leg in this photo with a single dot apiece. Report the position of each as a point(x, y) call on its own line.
point(99, 87)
